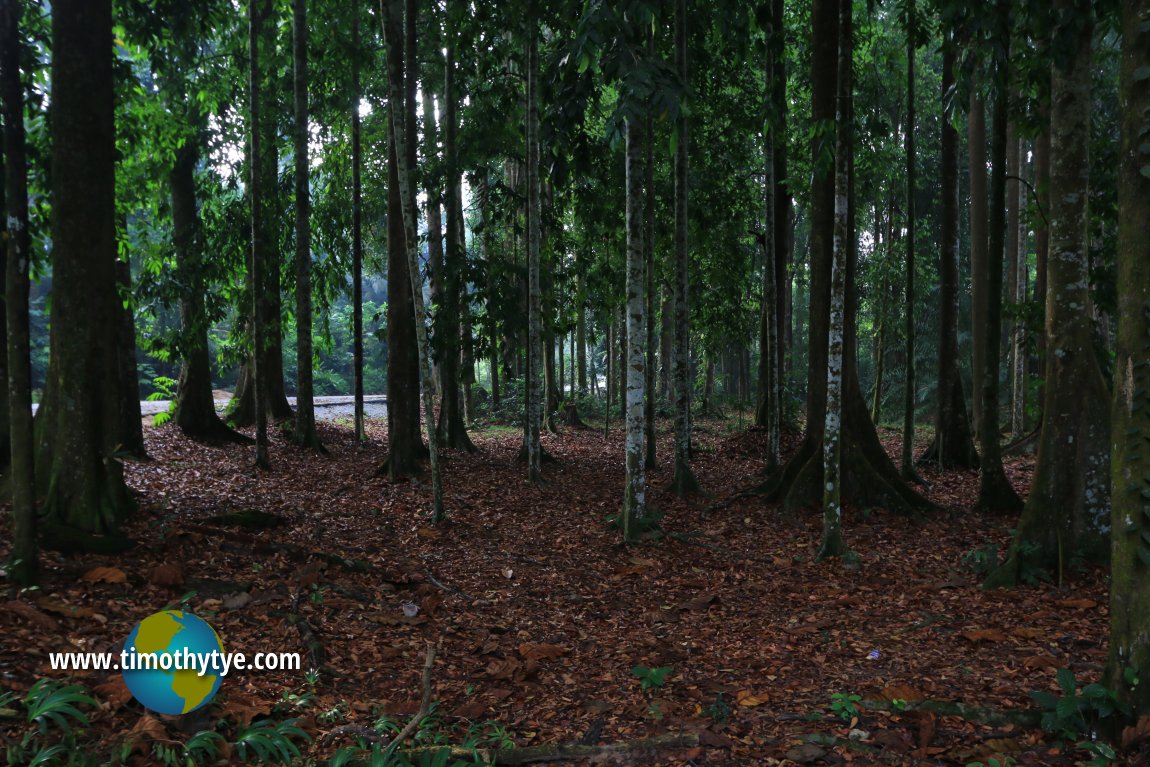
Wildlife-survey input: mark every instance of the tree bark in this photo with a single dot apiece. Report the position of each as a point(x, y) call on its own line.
point(1010, 327)
point(402, 111)
point(650, 349)
point(684, 481)
point(1130, 468)
point(258, 264)
point(953, 445)
point(535, 394)
point(305, 433)
point(85, 495)
point(995, 492)
point(25, 561)
point(405, 444)
point(910, 390)
point(1067, 512)
point(356, 228)
point(976, 151)
point(131, 432)
point(635, 489)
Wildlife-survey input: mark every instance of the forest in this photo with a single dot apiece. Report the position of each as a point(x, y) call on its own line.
point(428, 382)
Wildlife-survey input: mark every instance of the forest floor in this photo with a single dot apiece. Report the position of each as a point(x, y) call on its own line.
point(540, 614)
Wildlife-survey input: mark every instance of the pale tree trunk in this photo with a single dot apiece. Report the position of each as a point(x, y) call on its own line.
point(908, 471)
point(25, 562)
point(953, 445)
point(305, 433)
point(995, 492)
point(1130, 469)
point(635, 491)
point(535, 392)
point(684, 481)
point(976, 152)
point(391, 11)
point(832, 542)
point(356, 228)
point(1067, 513)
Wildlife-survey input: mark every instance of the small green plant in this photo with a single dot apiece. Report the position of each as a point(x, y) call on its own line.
point(720, 710)
point(270, 742)
point(51, 708)
point(845, 706)
point(1073, 715)
point(165, 390)
point(1102, 754)
point(994, 761)
point(651, 677)
point(982, 560)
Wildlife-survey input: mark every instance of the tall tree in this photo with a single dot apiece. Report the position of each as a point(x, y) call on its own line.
point(832, 543)
point(535, 392)
point(908, 471)
point(1130, 467)
point(356, 226)
point(83, 482)
point(400, 56)
point(953, 444)
point(995, 492)
point(979, 269)
point(684, 480)
point(25, 565)
point(405, 445)
point(1067, 511)
point(635, 492)
point(258, 12)
point(305, 433)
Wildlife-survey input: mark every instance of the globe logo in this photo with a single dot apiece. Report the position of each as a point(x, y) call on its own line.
point(172, 662)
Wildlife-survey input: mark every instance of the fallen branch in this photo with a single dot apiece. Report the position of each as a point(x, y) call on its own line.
point(1023, 717)
point(254, 544)
point(562, 752)
point(424, 705)
point(363, 732)
point(450, 589)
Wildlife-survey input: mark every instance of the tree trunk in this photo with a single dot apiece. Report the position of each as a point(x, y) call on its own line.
point(401, 56)
point(976, 151)
point(635, 489)
point(1011, 328)
point(85, 494)
point(910, 389)
point(356, 228)
point(953, 445)
point(651, 458)
point(1130, 588)
point(305, 433)
point(879, 353)
point(684, 481)
point(782, 219)
point(131, 432)
point(832, 543)
point(25, 563)
point(581, 326)
point(1042, 240)
point(535, 393)
point(995, 492)
point(257, 16)
point(767, 414)
point(1067, 513)
point(405, 444)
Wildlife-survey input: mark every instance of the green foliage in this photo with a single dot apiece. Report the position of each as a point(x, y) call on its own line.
point(651, 677)
point(54, 719)
point(982, 560)
point(719, 711)
point(1075, 714)
point(270, 742)
point(438, 740)
point(994, 761)
point(845, 705)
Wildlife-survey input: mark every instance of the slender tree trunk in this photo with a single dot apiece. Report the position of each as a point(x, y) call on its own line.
point(995, 492)
point(783, 214)
point(25, 563)
point(131, 431)
point(953, 445)
point(1067, 513)
point(258, 13)
point(832, 543)
point(581, 326)
point(770, 389)
point(635, 492)
point(305, 433)
point(85, 495)
point(356, 227)
point(651, 458)
point(403, 124)
point(1042, 241)
point(879, 353)
point(1010, 328)
point(1130, 588)
point(684, 480)
point(666, 341)
point(976, 150)
point(535, 393)
point(909, 400)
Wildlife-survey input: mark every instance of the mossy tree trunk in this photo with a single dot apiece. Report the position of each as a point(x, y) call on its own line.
point(651, 458)
point(85, 490)
point(910, 384)
point(976, 155)
point(635, 489)
point(258, 13)
point(25, 563)
point(953, 444)
point(1130, 470)
point(1067, 512)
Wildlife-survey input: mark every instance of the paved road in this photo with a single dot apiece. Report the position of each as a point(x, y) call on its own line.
point(326, 408)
